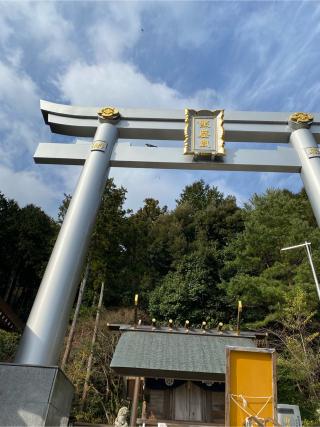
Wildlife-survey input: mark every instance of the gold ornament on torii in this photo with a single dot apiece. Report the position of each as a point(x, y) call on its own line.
point(301, 117)
point(109, 113)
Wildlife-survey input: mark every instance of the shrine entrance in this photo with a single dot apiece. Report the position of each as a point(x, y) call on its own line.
point(292, 141)
point(178, 375)
point(188, 402)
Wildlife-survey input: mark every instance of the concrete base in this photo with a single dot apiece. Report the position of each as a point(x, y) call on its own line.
point(34, 396)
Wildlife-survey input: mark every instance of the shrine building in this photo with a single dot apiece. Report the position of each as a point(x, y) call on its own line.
point(175, 375)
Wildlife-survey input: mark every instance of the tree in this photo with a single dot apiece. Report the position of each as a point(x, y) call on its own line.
point(299, 355)
point(26, 239)
point(107, 246)
point(107, 249)
point(202, 224)
point(206, 214)
point(142, 262)
point(64, 207)
point(191, 292)
point(255, 270)
point(106, 392)
point(36, 236)
point(9, 226)
point(199, 195)
point(8, 345)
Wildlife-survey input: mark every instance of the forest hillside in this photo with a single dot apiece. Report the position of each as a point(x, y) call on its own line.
point(192, 262)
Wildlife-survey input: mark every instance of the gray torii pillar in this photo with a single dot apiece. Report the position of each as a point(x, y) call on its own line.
point(34, 391)
point(45, 330)
point(307, 149)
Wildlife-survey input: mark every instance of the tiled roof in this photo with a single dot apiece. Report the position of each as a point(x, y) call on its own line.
point(174, 355)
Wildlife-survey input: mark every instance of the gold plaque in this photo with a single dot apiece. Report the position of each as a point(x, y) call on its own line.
point(99, 145)
point(312, 152)
point(109, 113)
point(204, 134)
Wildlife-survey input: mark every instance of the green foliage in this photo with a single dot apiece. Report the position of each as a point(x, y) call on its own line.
point(107, 250)
point(206, 215)
point(255, 270)
point(190, 292)
point(196, 233)
point(8, 345)
point(199, 195)
point(64, 207)
point(26, 239)
point(260, 296)
point(299, 358)
point(106, 389)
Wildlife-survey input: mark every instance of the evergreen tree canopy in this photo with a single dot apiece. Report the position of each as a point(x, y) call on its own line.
point(255, 270)
point(191, 292)
point(26, 240)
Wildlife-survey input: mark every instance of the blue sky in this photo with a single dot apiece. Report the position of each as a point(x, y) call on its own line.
point(262, 56)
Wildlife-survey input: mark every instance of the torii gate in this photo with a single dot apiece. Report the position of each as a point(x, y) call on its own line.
point(205, 133)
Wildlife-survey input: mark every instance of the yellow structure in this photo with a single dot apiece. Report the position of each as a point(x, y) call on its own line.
point(251, 394)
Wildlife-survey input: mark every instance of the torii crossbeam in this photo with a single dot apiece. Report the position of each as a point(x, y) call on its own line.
point(292, 147)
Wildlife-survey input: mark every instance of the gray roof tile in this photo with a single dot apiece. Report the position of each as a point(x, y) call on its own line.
point(153, 354)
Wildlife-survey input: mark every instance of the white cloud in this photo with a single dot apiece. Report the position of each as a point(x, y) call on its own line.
point(36, 32)
point(191, 25)
point(115, 30)
point(39, 25)
point(21, 128)
point(91, 55)
point(19, 100)
point(27, 187)
point(19, 94)
point(122, 84)
point(277, 66)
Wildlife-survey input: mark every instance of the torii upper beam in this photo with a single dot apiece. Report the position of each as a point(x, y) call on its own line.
point(169, 125)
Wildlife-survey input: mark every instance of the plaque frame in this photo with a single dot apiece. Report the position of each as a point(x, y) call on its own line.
point(216, 117)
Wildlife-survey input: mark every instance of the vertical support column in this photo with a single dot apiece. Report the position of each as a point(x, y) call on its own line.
point(45, 330)
point(307, 148)
point(135, 401)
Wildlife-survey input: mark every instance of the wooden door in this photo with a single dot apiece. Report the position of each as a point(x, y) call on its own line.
point(188, 403)
point(195, 403)
point(181, 411)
